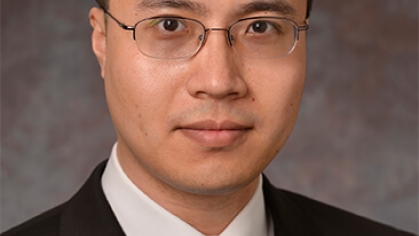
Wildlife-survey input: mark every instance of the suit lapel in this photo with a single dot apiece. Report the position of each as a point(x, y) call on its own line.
point(289, 218)
point(88, 213)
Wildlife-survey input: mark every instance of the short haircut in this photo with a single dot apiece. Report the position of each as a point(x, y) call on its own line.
point(105, 4)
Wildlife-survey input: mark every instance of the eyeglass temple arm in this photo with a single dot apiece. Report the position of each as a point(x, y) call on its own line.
point(122, 25)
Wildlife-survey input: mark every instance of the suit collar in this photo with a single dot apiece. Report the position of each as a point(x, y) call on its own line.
point(288, 217)
point(88, 212)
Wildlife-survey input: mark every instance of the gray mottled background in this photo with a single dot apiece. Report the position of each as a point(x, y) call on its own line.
point(355, 145)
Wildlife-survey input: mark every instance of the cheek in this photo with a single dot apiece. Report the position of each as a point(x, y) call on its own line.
point(277, 90)
point(138, 96)
point(280, 81)
point(278, 84)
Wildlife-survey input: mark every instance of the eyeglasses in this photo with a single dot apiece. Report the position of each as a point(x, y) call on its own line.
point(172, 37)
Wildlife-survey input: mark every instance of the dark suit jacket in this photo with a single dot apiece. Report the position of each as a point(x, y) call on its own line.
point(89, 214)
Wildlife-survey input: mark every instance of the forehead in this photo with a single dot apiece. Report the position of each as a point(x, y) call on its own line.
point(208, 7)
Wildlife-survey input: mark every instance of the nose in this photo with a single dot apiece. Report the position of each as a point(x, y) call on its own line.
point(218, 73)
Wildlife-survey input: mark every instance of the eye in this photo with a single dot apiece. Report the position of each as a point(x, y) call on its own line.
point(168, 24)
point(261, 27)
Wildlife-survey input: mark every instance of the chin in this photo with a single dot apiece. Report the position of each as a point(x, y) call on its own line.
point(215, 183)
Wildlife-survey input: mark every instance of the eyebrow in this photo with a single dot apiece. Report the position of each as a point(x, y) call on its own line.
point(177, 4)
point(277, 6)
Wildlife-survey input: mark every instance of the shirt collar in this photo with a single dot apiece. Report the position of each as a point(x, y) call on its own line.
point(139, 215)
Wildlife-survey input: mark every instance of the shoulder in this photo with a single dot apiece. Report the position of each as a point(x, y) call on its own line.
point(334, 221)
point(46, 224)
point(87, 213)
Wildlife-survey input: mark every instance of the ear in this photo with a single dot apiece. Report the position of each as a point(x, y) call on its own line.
point(97, 21)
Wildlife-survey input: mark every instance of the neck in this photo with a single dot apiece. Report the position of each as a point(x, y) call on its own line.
point(210, 214)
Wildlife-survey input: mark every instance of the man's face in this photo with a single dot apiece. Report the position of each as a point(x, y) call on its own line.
point(206, 124)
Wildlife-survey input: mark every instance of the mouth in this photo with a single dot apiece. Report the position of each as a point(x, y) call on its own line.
point(212, 134)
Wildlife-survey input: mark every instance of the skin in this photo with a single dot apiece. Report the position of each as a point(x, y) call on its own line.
point(194, 134)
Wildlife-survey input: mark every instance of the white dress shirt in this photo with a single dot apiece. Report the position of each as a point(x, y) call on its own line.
point(139, 215)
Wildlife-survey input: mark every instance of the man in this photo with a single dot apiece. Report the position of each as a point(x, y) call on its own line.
point(203, 95)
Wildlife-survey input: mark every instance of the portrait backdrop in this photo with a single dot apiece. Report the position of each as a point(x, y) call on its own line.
point(355, 144)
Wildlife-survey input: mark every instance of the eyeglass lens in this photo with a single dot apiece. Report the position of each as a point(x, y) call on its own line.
point(172, 38)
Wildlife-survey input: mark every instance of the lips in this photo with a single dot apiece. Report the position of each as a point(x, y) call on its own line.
point(209, 133)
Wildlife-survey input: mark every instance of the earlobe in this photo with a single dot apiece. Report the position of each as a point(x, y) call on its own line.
point(97, 21)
